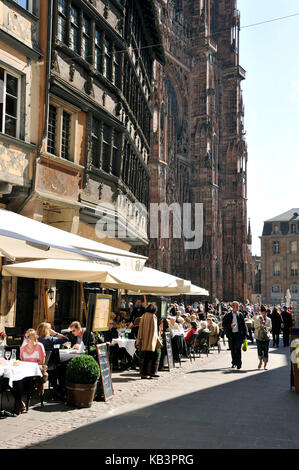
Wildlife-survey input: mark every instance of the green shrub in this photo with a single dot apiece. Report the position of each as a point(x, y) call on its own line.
point(82, 369)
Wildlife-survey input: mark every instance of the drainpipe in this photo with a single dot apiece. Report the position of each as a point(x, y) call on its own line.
point(46, 114)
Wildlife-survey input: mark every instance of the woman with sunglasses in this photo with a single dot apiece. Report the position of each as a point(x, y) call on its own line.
point(31, 351)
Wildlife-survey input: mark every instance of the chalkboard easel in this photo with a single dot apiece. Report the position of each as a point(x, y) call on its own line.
point(104, 364)
point(169, 351)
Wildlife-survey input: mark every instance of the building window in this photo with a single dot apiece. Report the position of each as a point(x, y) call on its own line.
point(294, 289)
point(276, 269)
point(62, 22)
point(65, 136)
point(62, 124)
point(294, 268)
point(293, 228)
point(293, 247)
point(26, 4)
point(86, 40)
point(276, 289)
point(95, 143)
point(52, 129)
point(116, 68)
point(106, 148)
point(116, 154)
point(108, 59)
point(74, 30)
point(98, 50)
point(9, 103)
point(275, 229)
point(276, 248)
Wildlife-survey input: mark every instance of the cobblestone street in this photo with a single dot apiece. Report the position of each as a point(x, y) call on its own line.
point(200, 396)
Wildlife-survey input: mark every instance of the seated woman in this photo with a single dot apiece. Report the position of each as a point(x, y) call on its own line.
point(203, 328)
point(173, 324)
point(49, 337)
point(118, 320)
point(193, 331)
point(31, 351)
point(180, 322)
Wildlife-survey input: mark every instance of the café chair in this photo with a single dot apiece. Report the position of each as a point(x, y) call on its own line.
point(4, 388)
point(202, 344)
point(14, 336)
point(191, 347)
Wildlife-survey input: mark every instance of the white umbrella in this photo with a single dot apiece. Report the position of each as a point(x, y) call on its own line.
point(21, 237)
point(71, 270)
point(149, 280)
point(146, 281)
point(191, 290)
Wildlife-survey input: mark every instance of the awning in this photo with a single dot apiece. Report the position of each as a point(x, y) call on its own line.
point(147, 281)
point(191, 290)
point(21, 237)
point(70, 270)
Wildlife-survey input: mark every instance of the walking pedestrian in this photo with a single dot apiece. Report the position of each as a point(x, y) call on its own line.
point(147, 341)
point(236, 331)
point(276, 326)
point(262, 328)
point(287, 323)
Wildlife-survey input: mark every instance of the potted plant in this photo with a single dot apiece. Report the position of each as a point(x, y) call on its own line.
point(82, 375)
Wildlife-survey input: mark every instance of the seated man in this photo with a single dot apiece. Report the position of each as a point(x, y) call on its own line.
point(78, 335)
point(110, 334)
point(113, 349)
point(214, 330)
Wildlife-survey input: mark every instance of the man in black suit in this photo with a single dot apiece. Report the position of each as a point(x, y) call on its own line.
point(236, 331)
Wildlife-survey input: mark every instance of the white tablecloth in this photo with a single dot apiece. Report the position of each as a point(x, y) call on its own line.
point(68, 354)
point(23, 370)
point(129, 344)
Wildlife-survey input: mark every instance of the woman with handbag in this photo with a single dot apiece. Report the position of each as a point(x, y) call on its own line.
point(148, 342)
point(262, 328)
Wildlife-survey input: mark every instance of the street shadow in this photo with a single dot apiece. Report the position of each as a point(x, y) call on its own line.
point(256, 411)
point(124, 380)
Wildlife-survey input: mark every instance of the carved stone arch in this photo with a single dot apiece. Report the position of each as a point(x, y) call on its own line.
point(178, 83)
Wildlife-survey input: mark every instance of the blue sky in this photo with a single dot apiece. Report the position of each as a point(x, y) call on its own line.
point(269, 54)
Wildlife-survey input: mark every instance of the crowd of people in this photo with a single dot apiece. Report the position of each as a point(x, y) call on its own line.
point(232, 321)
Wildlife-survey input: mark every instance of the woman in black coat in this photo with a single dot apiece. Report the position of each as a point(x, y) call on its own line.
point(276, 326)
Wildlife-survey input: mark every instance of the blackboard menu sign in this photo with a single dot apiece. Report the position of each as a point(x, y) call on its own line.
point(169, 351)
point(104, 363)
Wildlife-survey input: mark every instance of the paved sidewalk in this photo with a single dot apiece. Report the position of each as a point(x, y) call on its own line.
point(201, 405)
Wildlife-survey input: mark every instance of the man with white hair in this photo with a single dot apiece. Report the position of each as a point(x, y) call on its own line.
point(236, 331)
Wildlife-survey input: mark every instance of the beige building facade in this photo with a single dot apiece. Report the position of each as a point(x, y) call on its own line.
point(280, 257)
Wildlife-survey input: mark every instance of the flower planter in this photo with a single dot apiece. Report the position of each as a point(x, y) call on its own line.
point(80, 395)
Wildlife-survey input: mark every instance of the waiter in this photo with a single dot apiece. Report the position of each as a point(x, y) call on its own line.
point(236, 331)
point(138, 311)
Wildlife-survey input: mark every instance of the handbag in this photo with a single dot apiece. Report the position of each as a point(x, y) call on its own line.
point(263, 335)
point(244, 345)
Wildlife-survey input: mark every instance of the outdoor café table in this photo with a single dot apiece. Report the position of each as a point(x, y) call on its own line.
point(18, 372)
point(68, 354)
point(128, 344)
point(179, 347)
